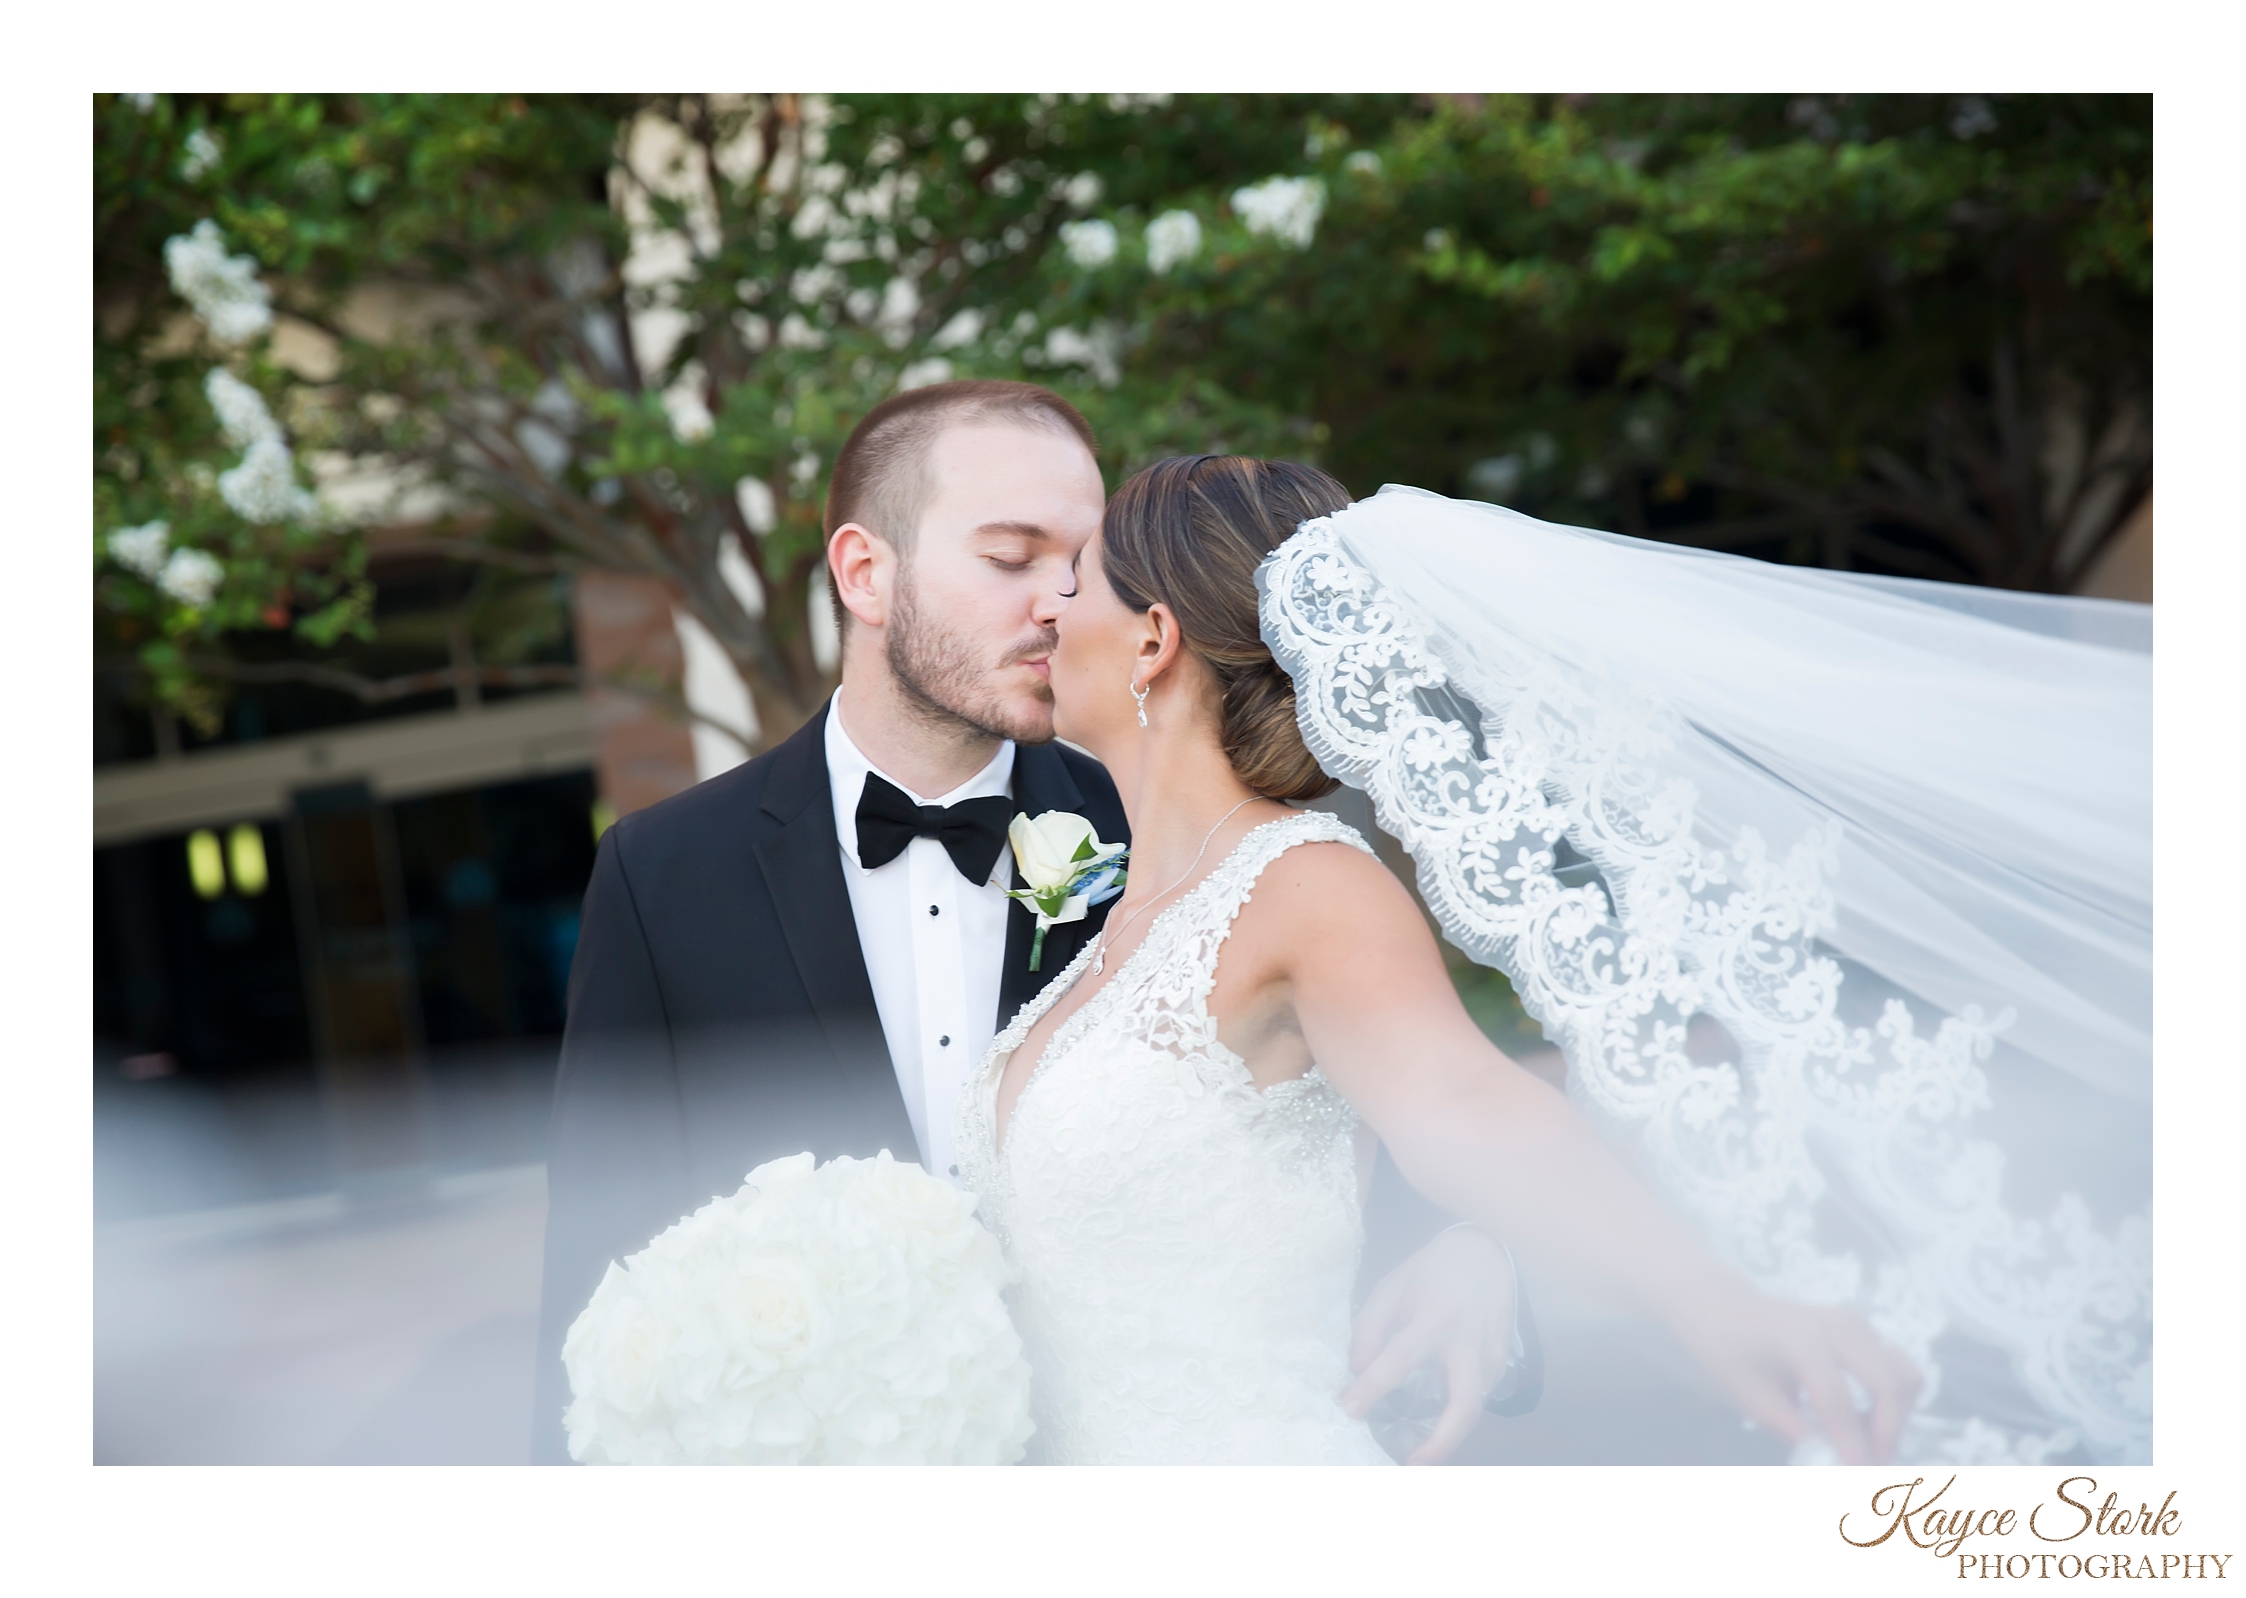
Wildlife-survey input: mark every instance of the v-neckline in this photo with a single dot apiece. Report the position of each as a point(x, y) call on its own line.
point(1062, 986)
point(1066, 982)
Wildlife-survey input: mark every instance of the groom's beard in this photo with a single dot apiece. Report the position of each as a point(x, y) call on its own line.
point(947, 686)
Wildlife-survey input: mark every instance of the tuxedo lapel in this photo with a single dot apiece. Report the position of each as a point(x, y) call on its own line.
point(801, 859)
point(1041, 783)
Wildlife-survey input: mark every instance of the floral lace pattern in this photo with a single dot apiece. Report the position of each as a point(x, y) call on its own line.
point(1186, 1243)
point(1555, 842)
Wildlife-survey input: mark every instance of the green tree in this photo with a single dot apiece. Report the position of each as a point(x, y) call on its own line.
point(1910, 333)
point(623, 332)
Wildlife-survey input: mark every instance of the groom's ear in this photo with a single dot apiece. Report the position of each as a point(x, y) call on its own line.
point(863, 568)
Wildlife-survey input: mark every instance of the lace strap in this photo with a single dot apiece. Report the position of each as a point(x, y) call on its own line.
point(1195, 935)
point(1161, 995)
point(1228, 888)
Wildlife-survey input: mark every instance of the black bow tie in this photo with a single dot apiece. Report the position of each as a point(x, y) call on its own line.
point(971, 831)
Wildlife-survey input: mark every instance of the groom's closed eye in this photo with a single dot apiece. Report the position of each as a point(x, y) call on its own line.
point(1024, 530)
point(1003, 540)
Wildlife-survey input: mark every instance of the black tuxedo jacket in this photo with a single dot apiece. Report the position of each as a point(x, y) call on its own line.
point(720, 1014)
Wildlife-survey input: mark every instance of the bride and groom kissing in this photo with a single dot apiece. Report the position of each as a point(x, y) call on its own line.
point(817, 951)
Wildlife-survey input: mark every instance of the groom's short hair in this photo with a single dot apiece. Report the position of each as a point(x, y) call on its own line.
point(880, 479)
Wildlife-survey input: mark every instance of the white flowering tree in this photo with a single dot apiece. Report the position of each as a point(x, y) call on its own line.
point(1910, 333)
point(620, 332)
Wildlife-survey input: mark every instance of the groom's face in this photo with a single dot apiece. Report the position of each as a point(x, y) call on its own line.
point(969, 630)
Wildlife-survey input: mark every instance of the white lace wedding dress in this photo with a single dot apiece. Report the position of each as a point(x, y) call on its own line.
point(1187, 1243)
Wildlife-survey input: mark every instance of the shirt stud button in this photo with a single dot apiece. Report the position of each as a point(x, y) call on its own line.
point(955, 1170)
point(931, 909)
point(944, 1042)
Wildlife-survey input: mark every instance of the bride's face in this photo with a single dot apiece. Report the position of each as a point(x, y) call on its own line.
point(1101, 640)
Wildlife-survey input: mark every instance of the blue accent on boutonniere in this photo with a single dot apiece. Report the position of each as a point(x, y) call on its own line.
point(1105, 886)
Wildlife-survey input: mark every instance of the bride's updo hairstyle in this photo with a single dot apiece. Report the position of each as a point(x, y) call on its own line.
point(1189, 532)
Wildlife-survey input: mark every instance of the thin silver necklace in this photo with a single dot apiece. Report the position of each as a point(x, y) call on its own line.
point(1099, 959)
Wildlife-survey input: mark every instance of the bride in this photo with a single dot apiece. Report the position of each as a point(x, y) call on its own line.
point(1173, 1141)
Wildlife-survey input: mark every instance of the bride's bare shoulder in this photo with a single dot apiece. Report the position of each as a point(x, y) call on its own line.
point(1328, 919)
point(1327, 893)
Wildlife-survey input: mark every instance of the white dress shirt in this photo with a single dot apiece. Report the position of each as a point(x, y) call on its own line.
point(935, 945)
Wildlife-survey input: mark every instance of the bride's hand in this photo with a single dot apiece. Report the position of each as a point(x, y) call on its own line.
point(1452, 1302)
point(1791, 1367)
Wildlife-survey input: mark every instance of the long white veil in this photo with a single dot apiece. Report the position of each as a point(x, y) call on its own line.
point(1835, 891)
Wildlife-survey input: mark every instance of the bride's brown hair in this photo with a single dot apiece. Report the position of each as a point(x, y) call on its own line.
point(1189, 532)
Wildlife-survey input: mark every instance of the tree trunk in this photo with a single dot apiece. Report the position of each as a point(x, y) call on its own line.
point(625, 637)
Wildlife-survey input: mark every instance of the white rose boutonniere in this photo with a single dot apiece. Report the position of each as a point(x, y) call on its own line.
point(1067, 868)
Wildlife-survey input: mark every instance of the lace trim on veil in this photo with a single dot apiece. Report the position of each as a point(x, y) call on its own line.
point(1555, 841)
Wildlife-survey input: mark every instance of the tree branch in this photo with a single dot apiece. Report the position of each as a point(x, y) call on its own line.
point(470, 550)
point(676, 706)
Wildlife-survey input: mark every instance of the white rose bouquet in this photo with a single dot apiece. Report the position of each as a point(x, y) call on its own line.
point(845, 1314)
point(1067, 868)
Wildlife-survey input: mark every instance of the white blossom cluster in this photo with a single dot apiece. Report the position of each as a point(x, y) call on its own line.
point(192, 577)
point(240, 409)
point(202, 155)
point(222, 288)
point(1089, 244)
point(845, 1314)
point(1171, 238)
point(919, 374)
point(1286, 208)
point(141, 549)
point(1099, 348)
point(187, 575)
point(226, 294)
point(263, 488)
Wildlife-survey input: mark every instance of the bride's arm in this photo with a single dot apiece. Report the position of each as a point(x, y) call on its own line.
point(1488, 1141)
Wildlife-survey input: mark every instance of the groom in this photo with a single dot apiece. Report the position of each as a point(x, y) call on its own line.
point(814, 950)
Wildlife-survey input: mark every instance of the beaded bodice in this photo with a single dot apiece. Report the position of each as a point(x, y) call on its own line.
point(1186, 1243)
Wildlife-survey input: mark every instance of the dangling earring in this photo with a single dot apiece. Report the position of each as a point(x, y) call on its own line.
point(1139, 694)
